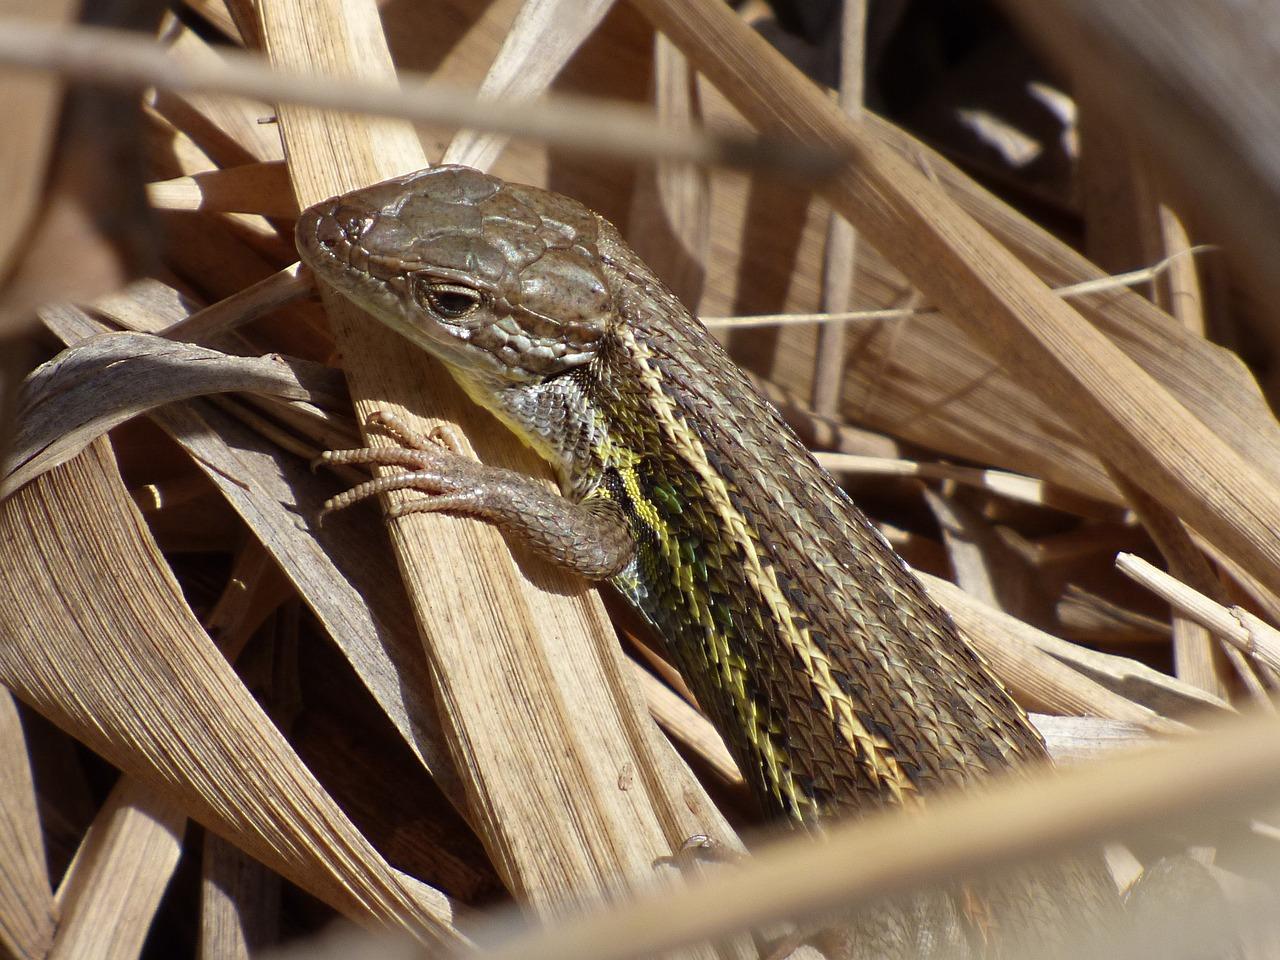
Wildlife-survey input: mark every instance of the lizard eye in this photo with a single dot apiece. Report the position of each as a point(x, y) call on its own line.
point(451, 301)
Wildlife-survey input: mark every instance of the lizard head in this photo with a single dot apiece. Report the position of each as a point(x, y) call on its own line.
point(499, 280)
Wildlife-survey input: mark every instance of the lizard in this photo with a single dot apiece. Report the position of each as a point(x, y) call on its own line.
point(839, 686)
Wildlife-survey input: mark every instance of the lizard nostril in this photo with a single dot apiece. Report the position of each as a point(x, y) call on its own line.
point(328, 231)
point(336, 228)
point(352, 221)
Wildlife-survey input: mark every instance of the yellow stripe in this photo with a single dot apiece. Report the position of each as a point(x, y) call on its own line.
point(884, 766)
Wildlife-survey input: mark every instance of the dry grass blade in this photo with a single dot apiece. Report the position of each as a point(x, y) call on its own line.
point(1207, 379)
point(1236, 625)
point(1238, 769)
point(1038, 679)
point(1113, 282)
point(337, 571)
point(85, 391)
point(261, 188)
point(979, 283)
point(1011, 485)
point(30, 108)
point(571, 688)
point(925, 380)
point(840, 252)
point(1196, 79)
point(1193, 648)
point(334, 570)
point(688, 727)
point(118, 58)
point(670, 211)
point(982, 565)
point(26, 902)
point(232, 129)
point(108, 899)
point(485, 680)
point(101, 641)
point(245, 306)
point(999, 635)
point(542, 37)
point(1072, 739)
point(240, 902)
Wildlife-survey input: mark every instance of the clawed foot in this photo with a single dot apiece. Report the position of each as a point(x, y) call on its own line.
point(433, 463)
point(591, 539)
point(699, 849)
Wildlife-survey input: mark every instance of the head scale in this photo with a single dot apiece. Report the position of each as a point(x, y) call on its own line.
point(498, 280)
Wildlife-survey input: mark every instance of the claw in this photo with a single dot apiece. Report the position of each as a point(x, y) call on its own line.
point(446, 436)
point(394, 426)
point(696, 849)
point(329, 506)
point(698, 842)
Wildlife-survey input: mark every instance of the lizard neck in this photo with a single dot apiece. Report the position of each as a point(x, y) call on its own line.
point(556, 418)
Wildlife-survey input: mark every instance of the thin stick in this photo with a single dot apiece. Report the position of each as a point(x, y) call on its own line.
point(120, 58)
point(1236, 625)
point(1236, 768)
point(840, 256)
point(284, 286)
point(1193, 647)
point(1015, 486)
point(1131, 279)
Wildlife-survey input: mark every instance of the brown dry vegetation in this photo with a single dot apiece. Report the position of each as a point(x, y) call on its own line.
point(407, 725)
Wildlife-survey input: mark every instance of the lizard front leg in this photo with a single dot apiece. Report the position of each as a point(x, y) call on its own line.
point(591, 538)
